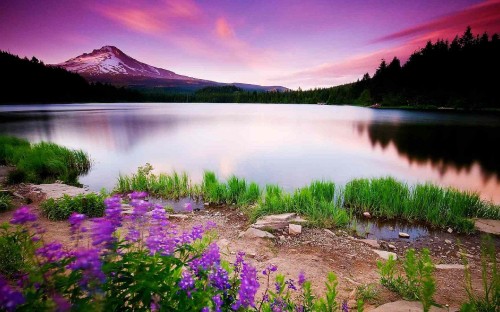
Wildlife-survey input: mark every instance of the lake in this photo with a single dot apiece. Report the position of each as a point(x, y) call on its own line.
point(290, 145)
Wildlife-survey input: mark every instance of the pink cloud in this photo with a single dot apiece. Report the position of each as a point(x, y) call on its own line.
point(481, 17)
point(223, 29)
point(136, 19)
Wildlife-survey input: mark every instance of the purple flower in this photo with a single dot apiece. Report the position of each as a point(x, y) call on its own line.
point(277, 286)
point(113, 211)
point(302, 278)
point(248, 287)
point(205, 309)
point(162, 233)
point(102, 232)
point(210, 225)
point(22, 216)
point(239, 259)
point(87, 260)
point(345, 308)
point(75, 221)
point(187, 282)
point(197, 232)
point(270, 268)
point(188, 207)
point(9, 298)
point(217, 303)
point(62, 304)
point(140, 209)
point(138, 195)
point(291, 284)
point(52, 252)
point(219, 278)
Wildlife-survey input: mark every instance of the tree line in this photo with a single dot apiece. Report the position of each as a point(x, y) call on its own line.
point(462, 73)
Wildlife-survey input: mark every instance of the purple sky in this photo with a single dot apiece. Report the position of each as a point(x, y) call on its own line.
point(314, 43)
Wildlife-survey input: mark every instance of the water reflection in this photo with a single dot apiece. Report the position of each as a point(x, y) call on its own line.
point(285, 144)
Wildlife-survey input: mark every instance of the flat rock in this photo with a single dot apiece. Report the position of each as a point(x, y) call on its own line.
point(488, 226)
point(275, 222)
point(450, 266)
point(406, 306)
point(404, 235)
point(329, 232)
point(385, 254)
point(178, 216)
point(294, 229)
point(255, 233)
point(57, 190)
point(370, 242)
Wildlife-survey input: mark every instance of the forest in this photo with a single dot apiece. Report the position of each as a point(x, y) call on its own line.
point(461, 74)
point(31, 81)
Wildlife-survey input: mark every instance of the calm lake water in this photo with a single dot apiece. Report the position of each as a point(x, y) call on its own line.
point(285, 144)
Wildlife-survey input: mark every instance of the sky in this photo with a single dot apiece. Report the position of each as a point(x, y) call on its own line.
point(307, 44)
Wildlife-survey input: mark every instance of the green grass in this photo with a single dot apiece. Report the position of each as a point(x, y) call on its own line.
point(322, 202)
point(437, 206)
point(171, 186)
point(91, 205)
point(5, 202)
point(42, 162)
point(316, 202)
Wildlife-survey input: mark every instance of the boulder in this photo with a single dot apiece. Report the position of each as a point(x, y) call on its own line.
point(404, 235)
point(370, 242)
point(255, 233)
point(385, 254)
point(294, 229)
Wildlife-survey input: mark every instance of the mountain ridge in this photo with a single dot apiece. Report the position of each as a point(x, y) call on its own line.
point(111, 65)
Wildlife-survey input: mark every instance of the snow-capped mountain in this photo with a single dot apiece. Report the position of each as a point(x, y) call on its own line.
point(110, 65)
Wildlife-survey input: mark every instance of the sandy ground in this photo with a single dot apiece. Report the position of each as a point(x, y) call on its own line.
point(317, 252)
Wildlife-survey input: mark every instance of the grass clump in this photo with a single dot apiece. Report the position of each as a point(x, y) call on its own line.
point(14, 249)
point(91, 205)
point(367, 293)
point(42, 162)
point(173, 186)
point(489, 301)
point(418, 283)
point(441, 207)
point(236, 191)
point(5, 202)
point(316, 201)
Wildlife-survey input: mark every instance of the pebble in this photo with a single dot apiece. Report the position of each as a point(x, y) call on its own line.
point(447, 241)
point(404, 235)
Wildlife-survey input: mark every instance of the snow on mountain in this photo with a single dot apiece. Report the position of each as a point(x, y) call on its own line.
point(110, 60)
point(110, 65)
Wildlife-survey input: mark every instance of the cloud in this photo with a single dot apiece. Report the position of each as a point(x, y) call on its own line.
point(223, 29)
point(481, 17)
point(152, 19)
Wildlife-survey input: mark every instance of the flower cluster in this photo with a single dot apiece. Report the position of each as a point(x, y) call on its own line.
point(117, 268)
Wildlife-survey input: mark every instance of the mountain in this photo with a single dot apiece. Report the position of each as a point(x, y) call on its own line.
point(110, 65)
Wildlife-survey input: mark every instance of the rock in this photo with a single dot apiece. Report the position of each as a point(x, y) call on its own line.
point(391, 228)
point(178, 216)
point(223, 243)
point(274, 222)
point(56, 190)
point(329, 232)
point(370, 242)
point(404, 235)
point(391, 247)
point(450, 230)
point(450, 266)
point(294, 229)
point(385, 254)
point(282, 238)
point(366, 214)
point(21, 197)
point(406, 306)
point(206, 204)
point(488, 226)
point(256, 233)
point(447, 241)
